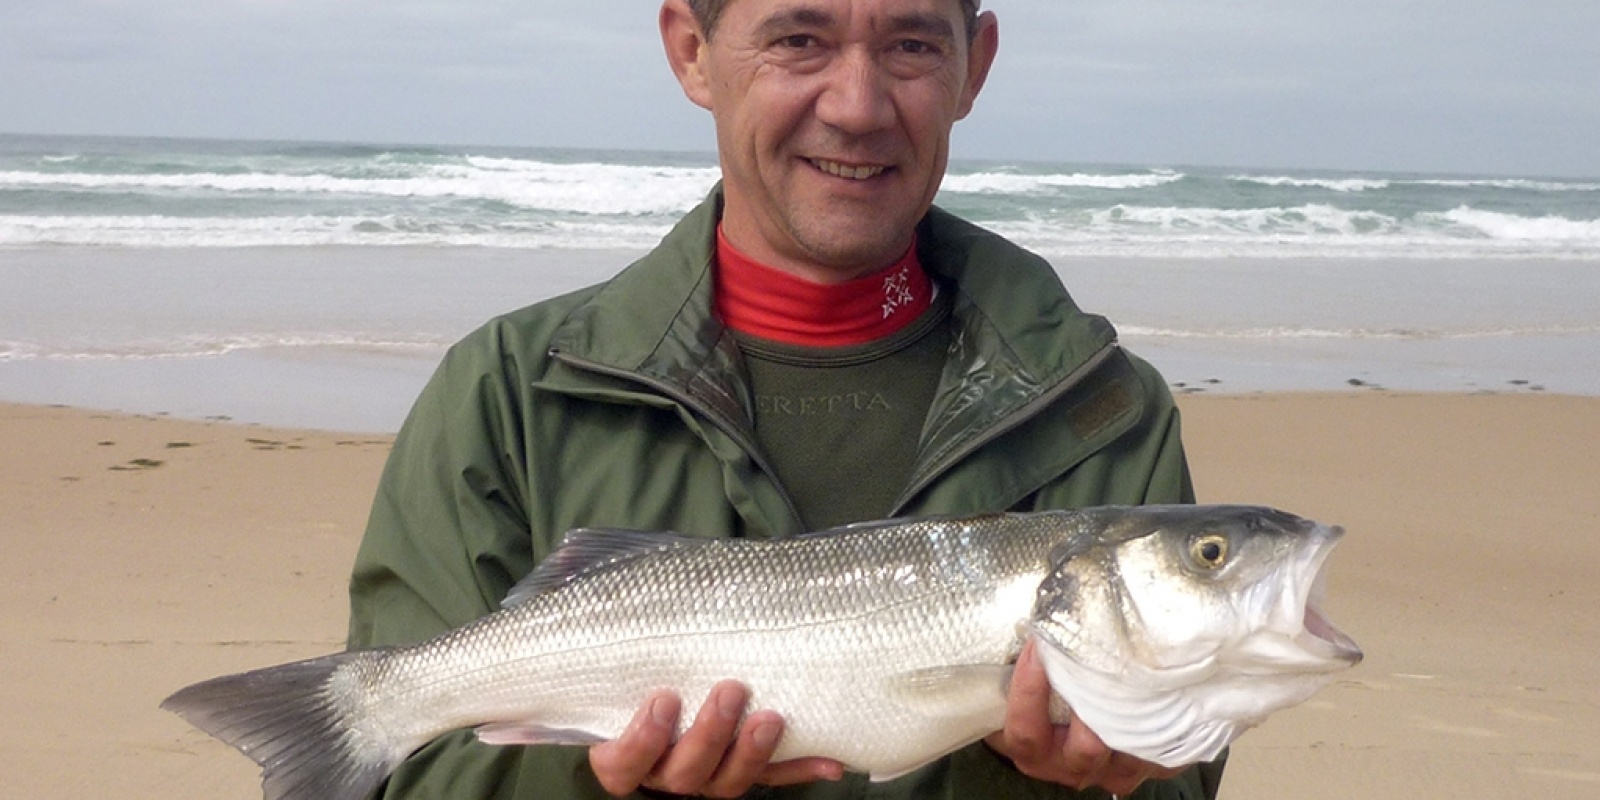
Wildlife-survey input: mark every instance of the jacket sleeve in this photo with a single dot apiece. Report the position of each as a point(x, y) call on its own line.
point(447, 537)
point(448, 534)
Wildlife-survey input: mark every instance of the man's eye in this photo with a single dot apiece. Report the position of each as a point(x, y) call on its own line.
point(798, 41)
point(917, 47)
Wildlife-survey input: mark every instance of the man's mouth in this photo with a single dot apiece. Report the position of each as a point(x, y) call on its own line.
point(846, 171)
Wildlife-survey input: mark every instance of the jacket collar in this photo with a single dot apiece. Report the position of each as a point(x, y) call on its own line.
point(1019, 336)
point(1019, 339)
point(655, 317)
point(654, 321)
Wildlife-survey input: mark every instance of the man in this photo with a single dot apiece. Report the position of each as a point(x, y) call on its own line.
point(813, 345)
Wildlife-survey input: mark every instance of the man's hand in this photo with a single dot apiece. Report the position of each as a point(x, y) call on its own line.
point(715, 758)
point(1069, 754)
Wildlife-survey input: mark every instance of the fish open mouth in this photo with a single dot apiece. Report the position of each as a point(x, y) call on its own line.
point(1318, 635)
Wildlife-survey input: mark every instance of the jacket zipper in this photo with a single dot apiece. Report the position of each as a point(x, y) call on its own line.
point(673, 393)
point(1007, 424)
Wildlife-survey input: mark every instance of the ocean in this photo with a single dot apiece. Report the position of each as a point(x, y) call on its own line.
point(317, 284)
point(187, 194)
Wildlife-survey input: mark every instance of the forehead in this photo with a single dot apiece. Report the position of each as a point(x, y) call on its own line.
point(875, 13)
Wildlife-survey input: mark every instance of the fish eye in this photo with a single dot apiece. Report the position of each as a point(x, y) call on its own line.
point(1209, 551)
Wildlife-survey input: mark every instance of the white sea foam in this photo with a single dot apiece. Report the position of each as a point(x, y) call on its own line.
point(1332, 184)
point(1013, 183)
point(1312, 230)
point(1512, 183)
point(1357, 184)
point(577, 188)
point(1309, 230)
point(1306, 220)
point(1512, 228)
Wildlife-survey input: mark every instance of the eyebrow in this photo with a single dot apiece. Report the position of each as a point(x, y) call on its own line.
point(790, 18)
point(932, 26)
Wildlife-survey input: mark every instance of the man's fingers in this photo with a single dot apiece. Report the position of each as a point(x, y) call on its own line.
point(801, 770)
point(715, 757)
point(1028, 733)
point(623, 764)
point(1123, 774)
point(749, 757)
point(1087, 758)
point(693, 761)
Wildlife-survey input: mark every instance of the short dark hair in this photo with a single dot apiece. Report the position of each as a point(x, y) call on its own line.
point(707, 12)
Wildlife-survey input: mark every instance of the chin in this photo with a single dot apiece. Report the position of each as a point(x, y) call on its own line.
point(856, 258)
point(856, 241)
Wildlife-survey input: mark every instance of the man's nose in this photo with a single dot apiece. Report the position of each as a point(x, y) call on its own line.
point(856, 97)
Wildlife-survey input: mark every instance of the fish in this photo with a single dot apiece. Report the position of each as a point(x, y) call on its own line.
point(1168, 630)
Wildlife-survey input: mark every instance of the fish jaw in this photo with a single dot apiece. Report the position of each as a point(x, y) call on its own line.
point(1318, 635)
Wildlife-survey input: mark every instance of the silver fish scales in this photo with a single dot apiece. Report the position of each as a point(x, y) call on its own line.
point(904, 628)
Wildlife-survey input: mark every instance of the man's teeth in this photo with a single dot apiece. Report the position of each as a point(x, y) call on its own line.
point(844, 171)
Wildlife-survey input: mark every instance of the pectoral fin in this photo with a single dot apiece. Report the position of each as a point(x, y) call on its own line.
point(952, 691)
point(513, 733)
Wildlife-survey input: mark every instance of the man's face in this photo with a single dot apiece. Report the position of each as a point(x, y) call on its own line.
point(833, 123)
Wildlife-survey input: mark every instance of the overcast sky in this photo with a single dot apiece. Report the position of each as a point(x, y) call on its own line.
point(1476, 86)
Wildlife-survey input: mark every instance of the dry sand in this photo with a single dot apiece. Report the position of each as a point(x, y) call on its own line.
point(145, 553)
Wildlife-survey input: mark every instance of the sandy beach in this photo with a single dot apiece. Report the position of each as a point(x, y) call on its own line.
point(144, 553)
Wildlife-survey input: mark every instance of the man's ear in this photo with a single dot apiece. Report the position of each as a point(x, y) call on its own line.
point(980, 57)
point(685, 44)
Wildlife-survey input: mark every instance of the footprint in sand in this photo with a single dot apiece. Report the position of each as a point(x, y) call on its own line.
point(1573, 775)
point(1436, 726)
point(1523, 716)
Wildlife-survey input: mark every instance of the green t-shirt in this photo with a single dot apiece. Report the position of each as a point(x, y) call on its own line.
point(841, 425)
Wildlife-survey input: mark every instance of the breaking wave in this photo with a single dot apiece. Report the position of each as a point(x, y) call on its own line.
point(575, 188)
point(1312, 230)
point(232, 194)
point(1021, 184)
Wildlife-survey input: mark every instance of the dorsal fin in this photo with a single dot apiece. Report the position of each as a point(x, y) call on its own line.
point(868, 527)
point(587, 549)
point(850, 529)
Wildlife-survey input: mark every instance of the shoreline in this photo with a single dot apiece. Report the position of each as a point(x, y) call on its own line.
point(156, 551)
point(371, 393)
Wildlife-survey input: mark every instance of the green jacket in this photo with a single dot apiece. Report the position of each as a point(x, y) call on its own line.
point(622, 405)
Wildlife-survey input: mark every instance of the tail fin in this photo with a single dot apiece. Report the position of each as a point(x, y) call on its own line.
point(290, 721)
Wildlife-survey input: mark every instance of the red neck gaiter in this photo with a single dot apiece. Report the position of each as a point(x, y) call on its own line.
point(758, 300)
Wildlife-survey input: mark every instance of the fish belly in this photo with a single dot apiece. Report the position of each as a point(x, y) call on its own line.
point(866, 691)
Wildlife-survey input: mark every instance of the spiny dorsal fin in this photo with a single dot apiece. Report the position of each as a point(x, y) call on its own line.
point(587, 549)
point(867, 527)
